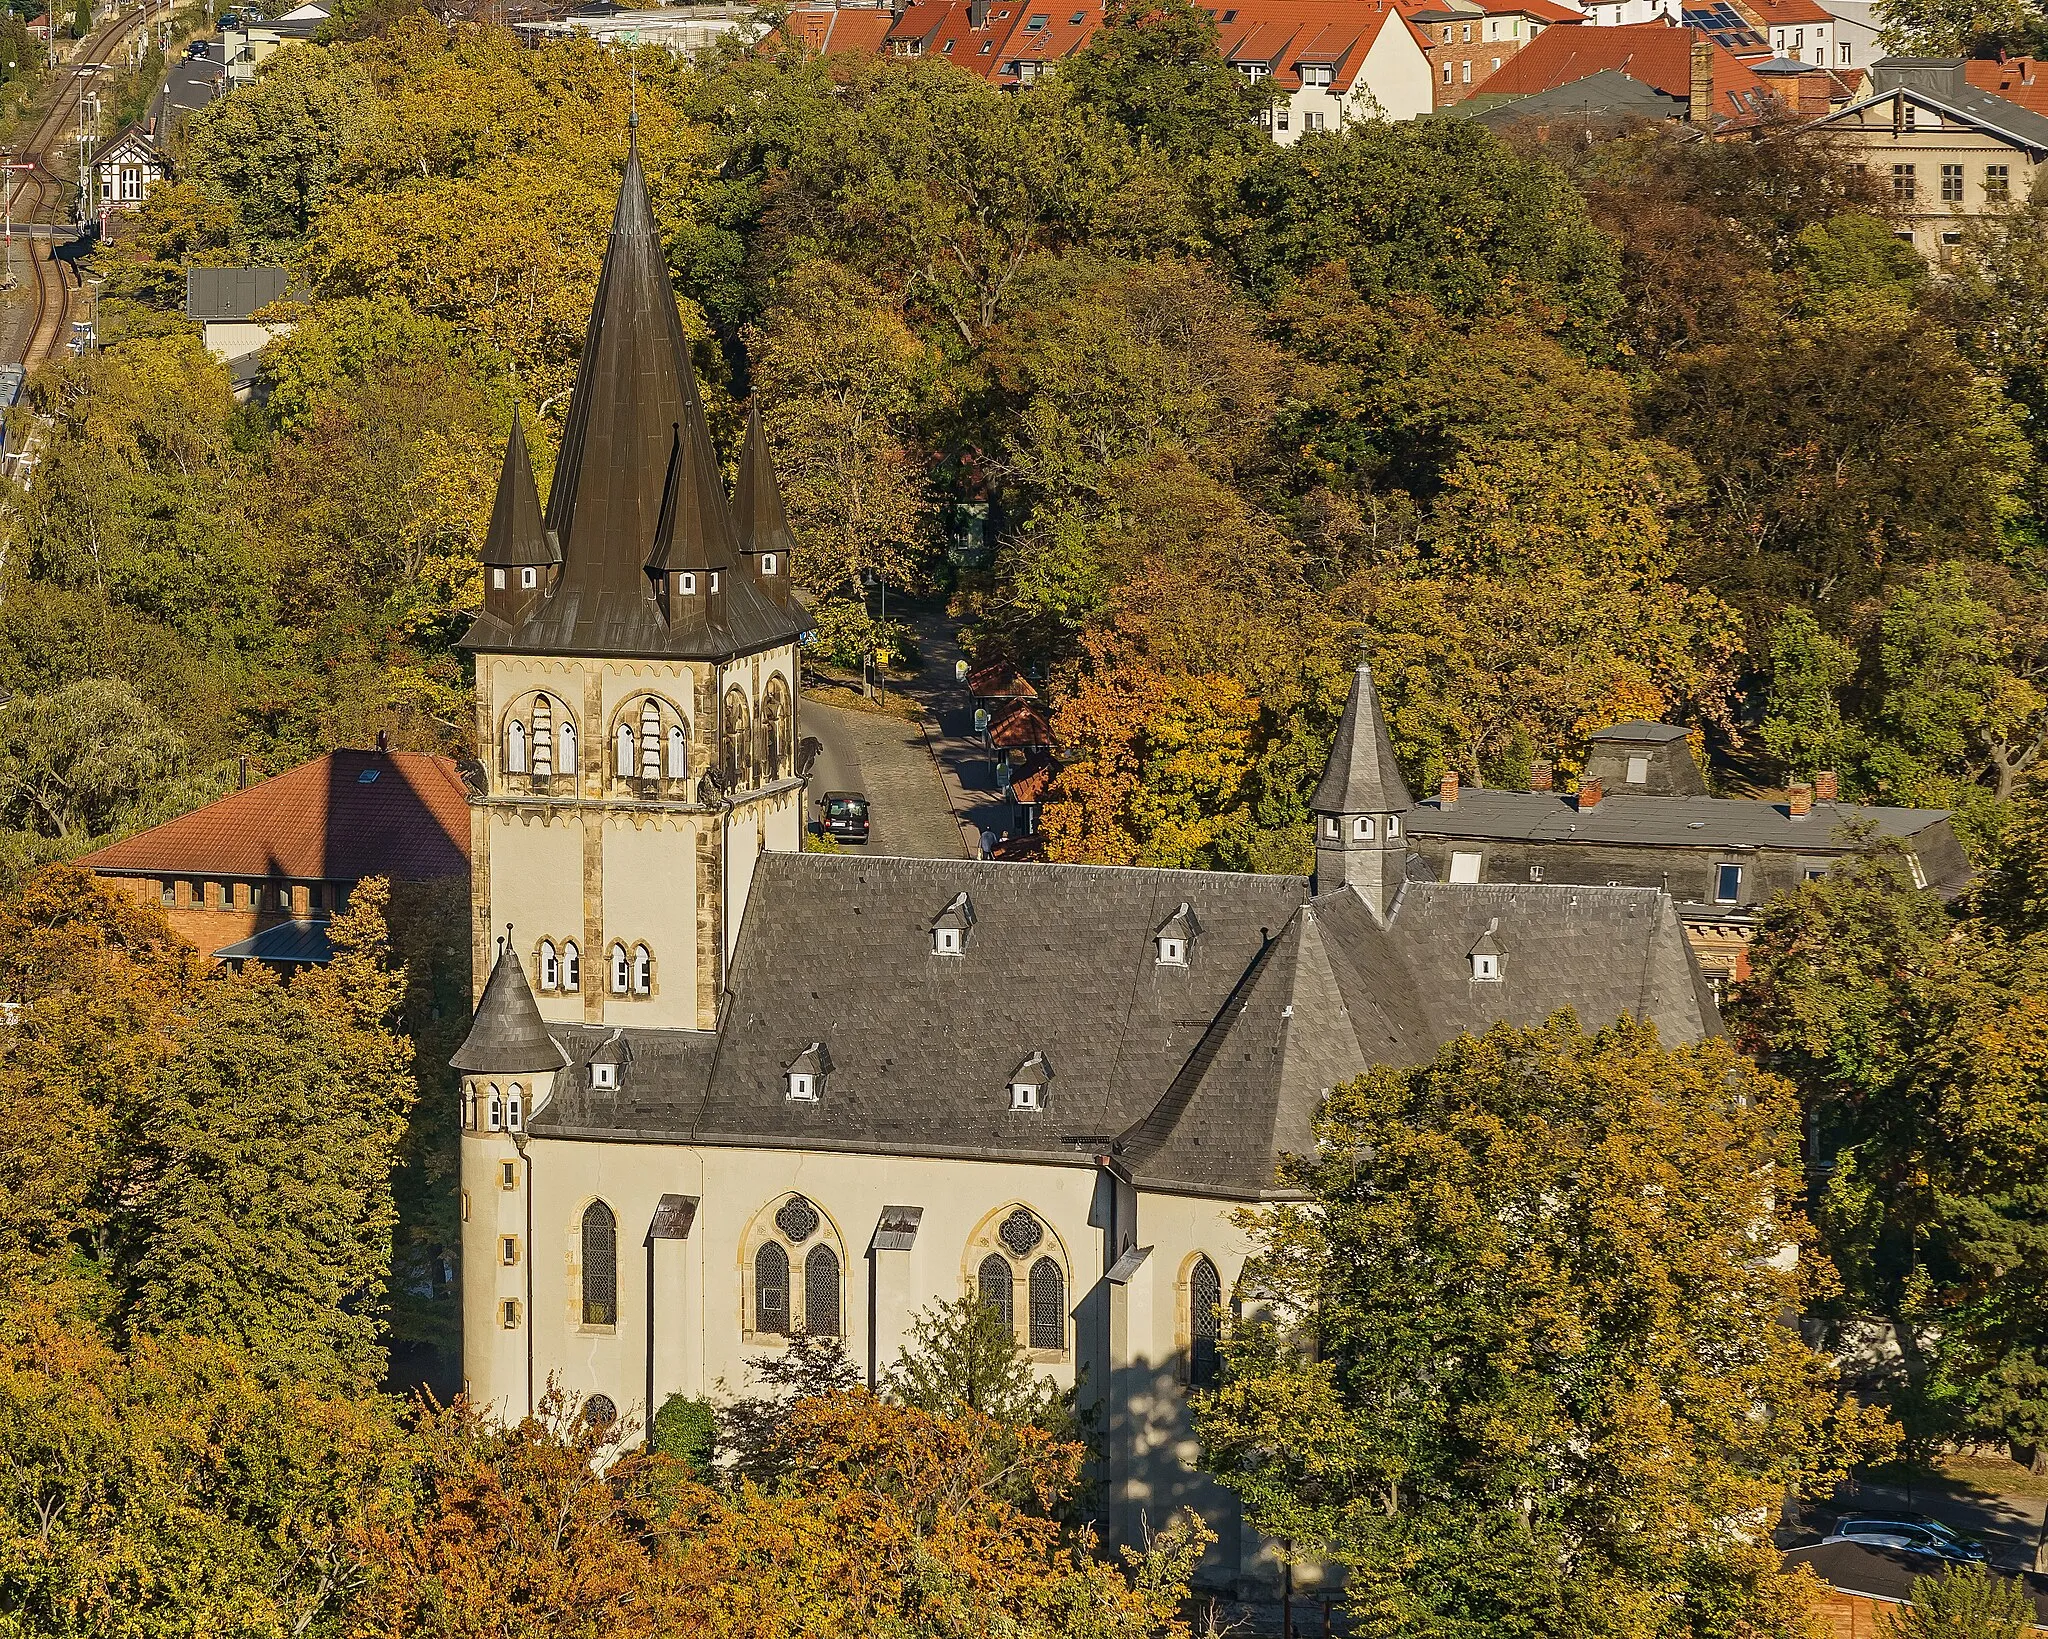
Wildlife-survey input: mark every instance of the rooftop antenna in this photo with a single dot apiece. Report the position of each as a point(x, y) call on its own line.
point(632, 94)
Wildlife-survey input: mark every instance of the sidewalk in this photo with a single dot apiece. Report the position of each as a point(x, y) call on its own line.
point(964, 767)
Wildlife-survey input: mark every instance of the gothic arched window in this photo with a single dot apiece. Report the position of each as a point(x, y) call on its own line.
point(622, 971)
point(565, 746)
point(771, 1290)
point(600, 1266)
point(678, 752)
point(732, 743)
point(1205, 1323)
point(623, 764)
point(998, 1287)
point(572, 966)
point(643, 970)
point(1048, 1305)
point(775, 749)
point(550, 966)
point(515, 747)
point(821, 1291)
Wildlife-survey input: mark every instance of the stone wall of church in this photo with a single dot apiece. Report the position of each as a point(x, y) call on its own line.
point(686, 1317)
point(631, 856)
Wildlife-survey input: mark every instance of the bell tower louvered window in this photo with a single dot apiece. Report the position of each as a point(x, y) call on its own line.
point(1048, 1305)
point(821, 1292)
point(771, 1290)
point(600, 1266)
point(999, 1287)
point(1205, 1323)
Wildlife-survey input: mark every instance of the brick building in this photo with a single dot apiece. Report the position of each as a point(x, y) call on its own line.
point(258, 874)
point(1467, 42)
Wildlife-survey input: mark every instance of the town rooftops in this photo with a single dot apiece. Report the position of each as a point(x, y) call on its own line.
point(224, 294)
point(341, 817)
point(1656, 54)
point(1941, 85)
point(1282, 35)
point(837, 28)
point(1607, 95)
point(2023, 80)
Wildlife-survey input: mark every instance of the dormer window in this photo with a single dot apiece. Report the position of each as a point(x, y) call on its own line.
point(1174, 938)
point(1362, 828)
point(497, 580)
point(1332, 830)
point(604, 1075)
point(767, 563)
point(1485, 954)
point(1393, 825)
point(686, 582)
point(1172, 952)
point(714, 580)
point(1028, 1083)
point(805, 1074)
point(529, 579)
point(952, 925)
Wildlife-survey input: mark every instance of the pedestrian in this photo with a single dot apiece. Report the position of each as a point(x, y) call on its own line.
point(988, 842)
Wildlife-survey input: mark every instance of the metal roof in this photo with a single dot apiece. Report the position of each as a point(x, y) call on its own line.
point(517, 538)
point(508, 1036)
point(287, 944)
point(226, 293)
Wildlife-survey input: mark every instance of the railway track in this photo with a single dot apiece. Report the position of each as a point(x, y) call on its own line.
point(37, 201)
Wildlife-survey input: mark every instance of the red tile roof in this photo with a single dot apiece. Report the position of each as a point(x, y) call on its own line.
point(1655, 54)
point(836, 28)
point(1065, 26)
point(1022, 725)
point(1784, 13)
point(2023, 80)
point(320, 820)
point(1285, 33)
point(999, 680)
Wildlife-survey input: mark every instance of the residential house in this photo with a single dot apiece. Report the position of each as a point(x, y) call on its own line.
point(684, 30)
point(2023, 80)
point(1466, 41)
point(1858, 32)
point(826, 29)
point(123, 172)
point(1641, 817)
point(224, 301)
point(1798, 30)
point(1692, 76)
point(1328, 62)
point(1949, 150)
point(257, 875)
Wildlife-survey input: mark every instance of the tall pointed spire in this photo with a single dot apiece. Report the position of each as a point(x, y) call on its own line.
point(635, 394)
point(1358, 804)
point(507, 1036)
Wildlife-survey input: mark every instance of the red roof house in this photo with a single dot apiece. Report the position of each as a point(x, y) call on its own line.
point(1653, 54)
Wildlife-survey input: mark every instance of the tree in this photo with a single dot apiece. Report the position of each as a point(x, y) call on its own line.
point(1154, 67)
point(1920, 1046)
point(1475, 1365)
point(1803, 727)
point(1968, 1603)
point(267, 1217)
point(963, 1355)
point(78, 762)
point(1954, 28)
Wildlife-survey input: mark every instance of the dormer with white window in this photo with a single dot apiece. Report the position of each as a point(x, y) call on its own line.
point(1173, 941)
point(1029, 1082)
point(609, 1064)
point(1484, 957)
point(804, 1076)
point(952, 925)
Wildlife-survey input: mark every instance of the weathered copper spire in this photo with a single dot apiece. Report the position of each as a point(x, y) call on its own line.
point(766, 540)
point(635, 405)
point(517, 537)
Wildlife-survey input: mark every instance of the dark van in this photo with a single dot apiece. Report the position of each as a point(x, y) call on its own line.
point(845, 816)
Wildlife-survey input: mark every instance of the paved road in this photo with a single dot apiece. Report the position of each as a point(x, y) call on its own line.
point(969, 773)
point(885, 757)
point(2010, 1525)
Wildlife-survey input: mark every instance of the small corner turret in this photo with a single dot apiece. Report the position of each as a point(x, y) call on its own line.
point(1359, 803)
point(520, 554)
point(767, 543)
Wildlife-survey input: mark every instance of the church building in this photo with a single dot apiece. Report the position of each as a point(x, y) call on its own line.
point(719, 1091)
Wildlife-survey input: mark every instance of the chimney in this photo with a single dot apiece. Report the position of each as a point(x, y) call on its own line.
point(1700, 99)
point(383, 740)
point(1540, 774)
point(1802, 800)
point(242, 781)
point(1589, 794)
point(1826, 787)
point(1447, 793)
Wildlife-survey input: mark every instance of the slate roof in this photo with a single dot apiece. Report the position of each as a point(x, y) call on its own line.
point(1666, 822)
point(1199, 1076)
point(1361, 776)
point(1639, 732)
point(517, 537)
point(229, 293)
point(757, 495)
point(507, 1035)
point(322, 819)
point(1609, 94)
point(1942, 84)
point(637, 483)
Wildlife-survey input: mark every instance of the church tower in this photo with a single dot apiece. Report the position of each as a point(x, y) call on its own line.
point(636, 679)
point(1358, 805)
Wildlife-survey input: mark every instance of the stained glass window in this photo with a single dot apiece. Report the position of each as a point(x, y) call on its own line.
point(771, 1290)
point(600, 1266)
point(1048, 1306)
point(821, 1292)
point(798, 1219)
point(1205, 1322)
point(1021, 1233)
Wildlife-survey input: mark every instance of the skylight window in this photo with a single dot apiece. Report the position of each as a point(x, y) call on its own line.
point(1036, 21)
point(367, 777)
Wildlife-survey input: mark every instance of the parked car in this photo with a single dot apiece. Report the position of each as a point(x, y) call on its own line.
point(1914, 1533)
point(845, 816)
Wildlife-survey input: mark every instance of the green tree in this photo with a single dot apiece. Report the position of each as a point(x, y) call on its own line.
point(1954, 28)
point(1969, 1603)
point(78, 762)
point(964, 1355)
point(1920, 1047)
point(1803, 727)
point(1472, 1364)
point(1154, 67)
point(268, 1219)
point(1857, 251)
